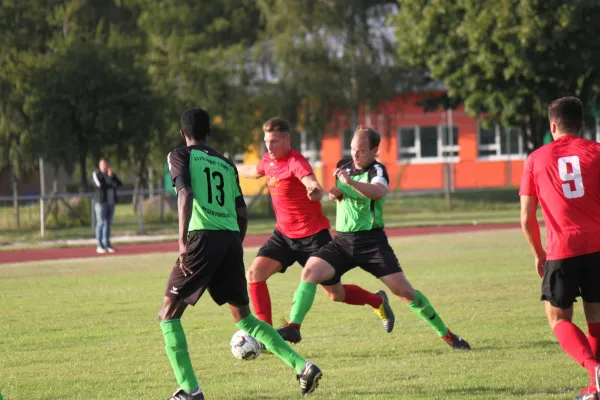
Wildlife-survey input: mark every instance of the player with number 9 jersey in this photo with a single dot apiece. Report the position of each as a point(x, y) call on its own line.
point(565, 176)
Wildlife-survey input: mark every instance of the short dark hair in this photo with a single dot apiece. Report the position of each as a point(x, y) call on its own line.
point(277, 124)
point(567, 113)
point(195, 123)
point(371, 133)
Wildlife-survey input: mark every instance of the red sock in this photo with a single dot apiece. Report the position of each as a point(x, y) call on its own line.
point(358, 296)
point(594, 338)
point(573, 341)
point(261, 301)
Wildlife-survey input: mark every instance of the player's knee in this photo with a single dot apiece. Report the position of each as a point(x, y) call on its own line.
point(170, 309)
point(311, 273)
point(256, 274)
point(162, 315)
point(261, 271)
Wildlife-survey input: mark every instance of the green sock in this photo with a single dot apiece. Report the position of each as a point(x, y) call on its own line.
point(177, 351)
point(268, 336)
point(423, 308)
point(303, 300)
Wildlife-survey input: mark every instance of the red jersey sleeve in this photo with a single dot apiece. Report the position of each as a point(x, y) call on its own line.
point(260, 168)
point(528, 187)
point(300, 167)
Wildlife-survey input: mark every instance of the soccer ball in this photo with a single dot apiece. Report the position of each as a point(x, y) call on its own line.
point(244, 346)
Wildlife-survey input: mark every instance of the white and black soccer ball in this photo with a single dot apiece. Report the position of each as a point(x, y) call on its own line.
point(244, 346)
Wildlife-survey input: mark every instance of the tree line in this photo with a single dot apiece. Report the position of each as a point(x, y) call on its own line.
point(80, 79)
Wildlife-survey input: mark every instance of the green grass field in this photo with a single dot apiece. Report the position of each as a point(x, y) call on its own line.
point(87, 329)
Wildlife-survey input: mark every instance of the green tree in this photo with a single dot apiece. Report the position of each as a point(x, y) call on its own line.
point(332, 56)
point(200, 57)
point(24, 33)
point(78, 100)
point(506, 60)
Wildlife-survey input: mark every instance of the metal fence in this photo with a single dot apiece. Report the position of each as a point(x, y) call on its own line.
point(136, 212)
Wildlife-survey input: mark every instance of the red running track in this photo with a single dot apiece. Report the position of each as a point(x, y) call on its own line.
point(250, 241)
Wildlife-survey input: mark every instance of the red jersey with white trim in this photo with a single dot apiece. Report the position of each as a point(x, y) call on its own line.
point(297, 215)
point(565, 177)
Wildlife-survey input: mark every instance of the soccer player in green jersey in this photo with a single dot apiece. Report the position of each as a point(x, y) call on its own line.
point(361, 188)
point(212, 224)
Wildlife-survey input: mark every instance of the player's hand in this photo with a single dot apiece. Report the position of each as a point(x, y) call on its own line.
point(109, 172)
point(343, 176)
point(314, 193)
point(540, 261)
point(183, 266)
point(336, 193)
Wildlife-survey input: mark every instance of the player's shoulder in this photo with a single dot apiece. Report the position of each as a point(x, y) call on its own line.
point(378, 169)
point(345, 162)
point(295, 155)
point(178, 154)
point(213, 153)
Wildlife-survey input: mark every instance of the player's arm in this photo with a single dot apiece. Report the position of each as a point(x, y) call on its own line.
point(240, 207)
point(301, 169)
point(376, 189)
point(313, 188)
point(185, 201)
point(531, 229)
point(181, 180)
point(249, 171)
point(242, 220)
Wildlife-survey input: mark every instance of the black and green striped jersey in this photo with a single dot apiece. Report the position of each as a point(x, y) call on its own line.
point(215, 185)
point(355, 212)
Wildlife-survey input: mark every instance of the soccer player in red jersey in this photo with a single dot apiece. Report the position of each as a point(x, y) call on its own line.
point(564, 178)
point(301, 228)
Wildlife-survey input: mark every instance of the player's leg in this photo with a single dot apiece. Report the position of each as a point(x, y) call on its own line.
point(592, 316)
point(328, 264)
point(307, 373)
point(420, 304)
point(375, 255)
point(355, 295)
point(560, 288)
point(348, 294)
point(176, 348)
point(229, 285)
point(206, 252)
point(262, 269)
point(275, 256)
point(590, 278)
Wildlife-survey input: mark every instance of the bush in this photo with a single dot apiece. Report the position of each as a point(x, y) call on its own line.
point(77, 213)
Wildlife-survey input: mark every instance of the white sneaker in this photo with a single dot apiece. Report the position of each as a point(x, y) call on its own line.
point(111, 250)
point(100, 250)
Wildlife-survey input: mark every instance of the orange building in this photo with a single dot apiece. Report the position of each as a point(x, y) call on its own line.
point(417, 146)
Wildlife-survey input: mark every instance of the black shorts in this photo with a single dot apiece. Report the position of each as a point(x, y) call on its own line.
point(288, 251)
point(217, 261)
point(569, 278)
point(368, 250)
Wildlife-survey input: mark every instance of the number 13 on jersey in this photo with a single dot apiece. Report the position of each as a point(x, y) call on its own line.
point(573, 186)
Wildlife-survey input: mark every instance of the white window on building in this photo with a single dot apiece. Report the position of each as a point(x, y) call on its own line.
point(498, 143)
point(592, 134)
point(347, 134)
point(434, 143)
point(308, 146)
